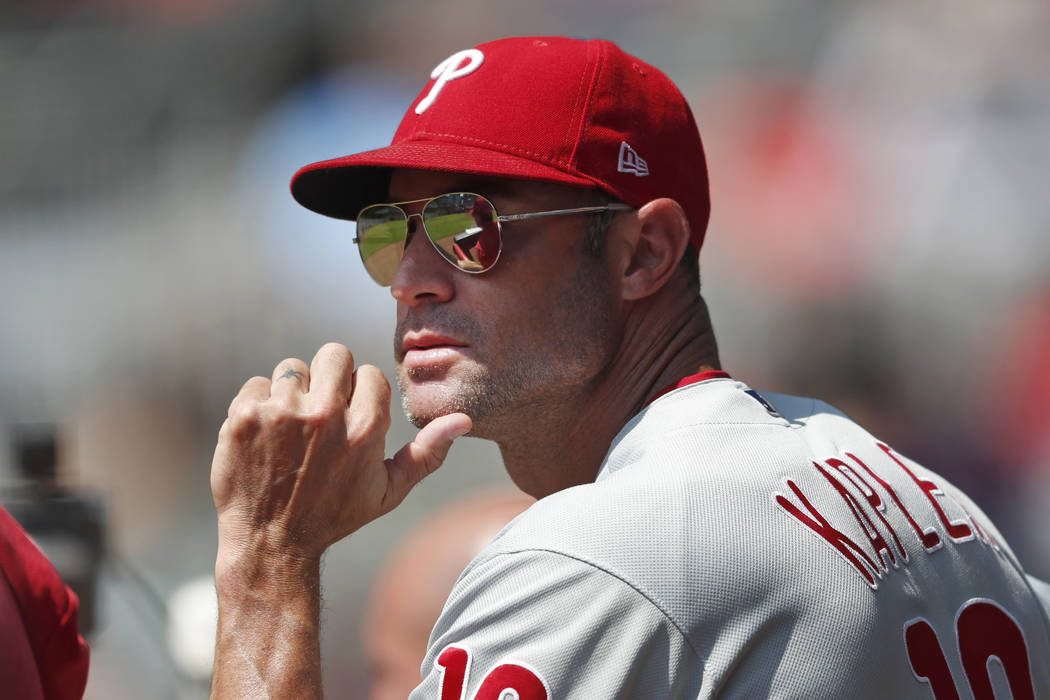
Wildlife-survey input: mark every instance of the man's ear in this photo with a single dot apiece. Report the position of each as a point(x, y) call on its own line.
point(659, 241)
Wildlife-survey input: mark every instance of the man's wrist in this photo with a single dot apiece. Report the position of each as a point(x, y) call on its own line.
point(253, 560)
point(271, 598)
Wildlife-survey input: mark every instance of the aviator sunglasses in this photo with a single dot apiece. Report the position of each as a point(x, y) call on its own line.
point(463, 227)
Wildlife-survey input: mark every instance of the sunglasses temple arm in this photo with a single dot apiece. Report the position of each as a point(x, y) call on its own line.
point(563, 212)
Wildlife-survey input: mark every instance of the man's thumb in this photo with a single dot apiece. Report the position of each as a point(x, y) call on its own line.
point(425, 453)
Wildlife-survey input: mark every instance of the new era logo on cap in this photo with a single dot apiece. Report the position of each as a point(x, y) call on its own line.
point(631, 162)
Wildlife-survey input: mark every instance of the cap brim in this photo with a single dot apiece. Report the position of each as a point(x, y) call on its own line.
point(341, 187)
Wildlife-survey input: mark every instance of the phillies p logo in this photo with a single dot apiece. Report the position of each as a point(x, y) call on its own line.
point(451, 68)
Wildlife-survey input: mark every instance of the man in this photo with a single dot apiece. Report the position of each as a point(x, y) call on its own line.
point(694, 538)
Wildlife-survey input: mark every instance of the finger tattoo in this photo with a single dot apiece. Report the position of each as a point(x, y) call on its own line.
point(290, 373)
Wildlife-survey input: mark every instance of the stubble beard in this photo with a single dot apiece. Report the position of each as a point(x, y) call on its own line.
point(474, 391)
point(496, 400)
point(465, 395)
point(471, 387)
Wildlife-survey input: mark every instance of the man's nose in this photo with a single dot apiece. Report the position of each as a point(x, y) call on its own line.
point(422, 275)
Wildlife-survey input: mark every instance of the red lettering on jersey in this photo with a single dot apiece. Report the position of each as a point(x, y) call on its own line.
point(877, 541)
point(876, 502)
point(522, 682)
point(982, 536)
point(986, 631)
point(929, 538)
point(820, 525)
point(958, 531)
point(873, 499)
point(512, 677)
point(926, 657)
point(454, 664)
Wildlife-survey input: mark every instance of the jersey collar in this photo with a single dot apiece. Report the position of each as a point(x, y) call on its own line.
point(691, 379)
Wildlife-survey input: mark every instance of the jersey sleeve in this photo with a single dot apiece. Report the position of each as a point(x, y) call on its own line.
point(48, 609)
point(547, 625)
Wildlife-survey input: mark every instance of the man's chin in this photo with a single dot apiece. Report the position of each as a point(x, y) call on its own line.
point(423, 402)
point(420, 416)
point(421, 420)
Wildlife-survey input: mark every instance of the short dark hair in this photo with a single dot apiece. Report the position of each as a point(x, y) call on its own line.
point(598, 224)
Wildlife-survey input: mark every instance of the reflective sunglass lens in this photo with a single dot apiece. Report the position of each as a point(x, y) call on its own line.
point(381, 233)
point(465, 230)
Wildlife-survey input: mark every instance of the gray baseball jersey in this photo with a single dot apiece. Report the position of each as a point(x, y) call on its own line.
point(745, 545)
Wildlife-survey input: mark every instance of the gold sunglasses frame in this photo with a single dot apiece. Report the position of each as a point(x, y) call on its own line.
point(499, 218)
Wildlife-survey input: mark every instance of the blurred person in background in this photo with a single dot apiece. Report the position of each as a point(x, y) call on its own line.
point(409, 592)
point(693, 537)
point(42, 655)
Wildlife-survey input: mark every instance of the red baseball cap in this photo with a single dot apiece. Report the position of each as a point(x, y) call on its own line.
point(580, 113)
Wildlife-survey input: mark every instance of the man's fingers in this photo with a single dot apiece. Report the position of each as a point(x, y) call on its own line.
point(255, 389)
point(423, 455)
point(290, 377)
point(370, 400)
point(331, 373)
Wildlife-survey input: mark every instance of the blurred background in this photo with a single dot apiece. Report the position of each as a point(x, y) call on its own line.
point(879, 239)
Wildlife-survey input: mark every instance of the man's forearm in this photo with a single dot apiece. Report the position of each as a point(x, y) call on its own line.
point(298, 466)
point(268, 642)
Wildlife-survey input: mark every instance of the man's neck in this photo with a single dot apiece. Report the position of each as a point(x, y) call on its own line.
point(568, 437)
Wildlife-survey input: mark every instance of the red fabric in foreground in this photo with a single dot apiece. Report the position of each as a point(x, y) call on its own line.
point(49, 615)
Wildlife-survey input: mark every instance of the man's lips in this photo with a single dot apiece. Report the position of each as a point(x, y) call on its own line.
point(426, 341)
point(426, 344)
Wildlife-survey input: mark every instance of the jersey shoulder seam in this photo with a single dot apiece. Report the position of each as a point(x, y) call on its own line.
point(667, 615)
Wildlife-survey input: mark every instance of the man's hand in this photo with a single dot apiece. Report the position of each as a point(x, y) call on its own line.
point(300, 459)
point(299, 465)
